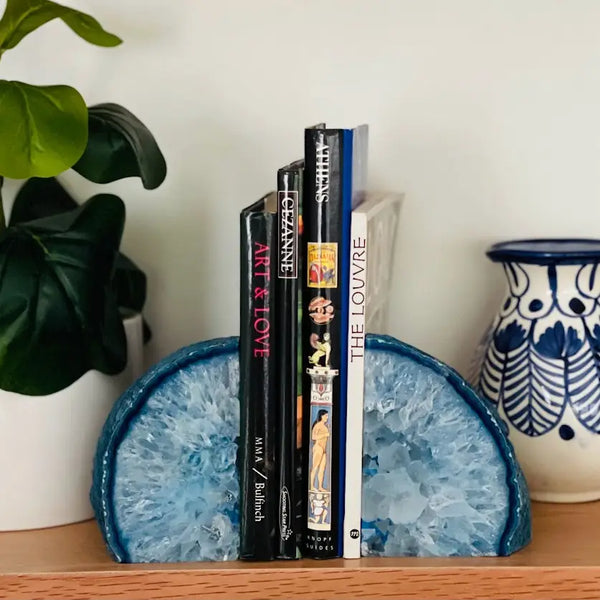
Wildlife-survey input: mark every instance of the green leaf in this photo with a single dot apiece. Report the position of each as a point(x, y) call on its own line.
point(44, 129)
point(21, 17)
point(38, 198)
point(129, 284)
point(120, 145)
point(58, 314)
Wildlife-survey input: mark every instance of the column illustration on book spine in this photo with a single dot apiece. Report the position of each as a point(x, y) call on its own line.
point(322, 273)
point(321, 417)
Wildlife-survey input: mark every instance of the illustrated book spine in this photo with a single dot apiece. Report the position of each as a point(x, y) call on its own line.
point(326, 211)
point(355, 394)
point(289, 198)
point(258, 381)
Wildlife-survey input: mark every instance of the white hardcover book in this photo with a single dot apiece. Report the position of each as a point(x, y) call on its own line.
point(372, 237)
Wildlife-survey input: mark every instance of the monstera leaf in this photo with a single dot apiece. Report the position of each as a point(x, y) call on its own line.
point(45, 197)
point(21, 17)
point(58, 314)
point(120, 145)
point(44, 129)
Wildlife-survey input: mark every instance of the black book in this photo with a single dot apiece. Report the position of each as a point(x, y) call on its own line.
point(289, 198)
point(326, 212)
point(258, 380)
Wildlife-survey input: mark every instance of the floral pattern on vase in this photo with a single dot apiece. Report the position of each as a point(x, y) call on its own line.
point(539, 362)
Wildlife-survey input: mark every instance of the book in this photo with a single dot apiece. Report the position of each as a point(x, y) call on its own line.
point(327, 208)
point(373, 233)
point(383, 214)
point(289, 198)
point(258, 382)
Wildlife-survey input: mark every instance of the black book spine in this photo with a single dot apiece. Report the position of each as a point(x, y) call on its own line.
point(322, 339)
point(257, 384)
point(289, 196)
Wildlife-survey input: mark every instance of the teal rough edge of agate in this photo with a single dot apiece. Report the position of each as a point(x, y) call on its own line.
point(517, 532)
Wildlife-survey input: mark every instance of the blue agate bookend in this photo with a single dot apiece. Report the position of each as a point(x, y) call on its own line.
point(439, 474)
point(440, 477)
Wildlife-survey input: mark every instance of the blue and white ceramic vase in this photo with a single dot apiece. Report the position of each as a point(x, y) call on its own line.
point(539, 363)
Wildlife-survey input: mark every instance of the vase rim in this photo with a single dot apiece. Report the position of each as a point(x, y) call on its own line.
point(546, 251)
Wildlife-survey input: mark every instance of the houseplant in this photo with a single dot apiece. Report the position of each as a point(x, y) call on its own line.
point(63, 284)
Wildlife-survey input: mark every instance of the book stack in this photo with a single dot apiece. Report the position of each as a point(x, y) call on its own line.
point(315, 264)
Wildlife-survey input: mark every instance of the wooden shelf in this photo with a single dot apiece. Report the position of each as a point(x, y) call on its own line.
point(70, 562)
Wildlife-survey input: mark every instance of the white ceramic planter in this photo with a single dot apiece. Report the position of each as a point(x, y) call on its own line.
point(48, 443)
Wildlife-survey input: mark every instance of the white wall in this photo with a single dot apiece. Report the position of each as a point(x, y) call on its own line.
point(486, 113)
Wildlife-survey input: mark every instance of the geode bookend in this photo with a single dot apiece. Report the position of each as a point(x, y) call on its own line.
point(440, 477)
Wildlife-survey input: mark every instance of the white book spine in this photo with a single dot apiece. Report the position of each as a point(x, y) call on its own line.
point(356, 361)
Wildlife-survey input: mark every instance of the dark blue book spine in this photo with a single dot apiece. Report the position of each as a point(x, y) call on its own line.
point(345, 287)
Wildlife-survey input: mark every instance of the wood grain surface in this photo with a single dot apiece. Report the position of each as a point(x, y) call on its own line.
point(70, 562)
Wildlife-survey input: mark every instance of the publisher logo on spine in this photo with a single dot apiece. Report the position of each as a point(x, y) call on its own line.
point(285, 530)
point(287, 219)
